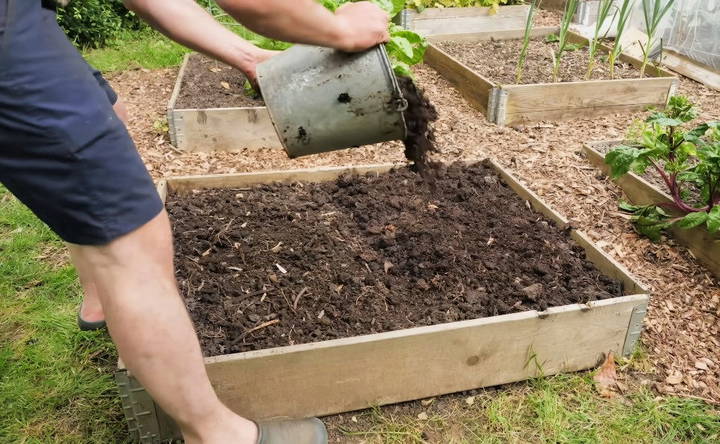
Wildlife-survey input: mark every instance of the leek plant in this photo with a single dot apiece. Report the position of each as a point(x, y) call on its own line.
point(623, 17)
point(653, 12)
point(529, 24)
point(570, 9)
point(604, 8)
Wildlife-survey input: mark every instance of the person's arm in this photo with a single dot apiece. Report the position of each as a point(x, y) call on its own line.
point(354, 27)
point(189, 24)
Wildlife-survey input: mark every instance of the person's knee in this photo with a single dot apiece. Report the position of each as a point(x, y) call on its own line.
point(148, 246)
point(121, 111)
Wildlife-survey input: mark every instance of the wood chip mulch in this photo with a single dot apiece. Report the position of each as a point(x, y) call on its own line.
point(682, 334)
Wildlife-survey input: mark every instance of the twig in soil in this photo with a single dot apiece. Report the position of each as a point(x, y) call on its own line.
point(288, 301)
point(256, 328)
point(224, 230)
point(297, 298)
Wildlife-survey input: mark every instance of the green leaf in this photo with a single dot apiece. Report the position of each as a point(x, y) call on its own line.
point(693, 220)
point(713, 220)
point(628, 207)
point(552, 38)
point(402, 69)
point(663, 120)
point(400, 45)
point(651, 226)
point(621, 160)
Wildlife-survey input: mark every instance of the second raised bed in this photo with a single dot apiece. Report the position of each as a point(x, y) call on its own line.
point(640, 191)
point(509, 104)
point(198, 122)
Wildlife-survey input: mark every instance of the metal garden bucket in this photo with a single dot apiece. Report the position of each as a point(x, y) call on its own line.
point(322, 99)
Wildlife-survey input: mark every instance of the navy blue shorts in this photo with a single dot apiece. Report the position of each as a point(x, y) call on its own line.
point(63, 151)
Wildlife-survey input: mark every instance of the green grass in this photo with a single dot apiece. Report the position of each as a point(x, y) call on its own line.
point(559, 409)
point(151, 50)
point(55, 381)
point(137, 49)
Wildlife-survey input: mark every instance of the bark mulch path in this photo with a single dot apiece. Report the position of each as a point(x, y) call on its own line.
point(682, 332)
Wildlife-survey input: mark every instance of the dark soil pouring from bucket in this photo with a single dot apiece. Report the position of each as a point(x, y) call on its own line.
point(420, 114)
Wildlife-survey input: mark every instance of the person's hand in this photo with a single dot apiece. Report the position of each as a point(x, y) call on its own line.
point(250, 70)
point(363, 26)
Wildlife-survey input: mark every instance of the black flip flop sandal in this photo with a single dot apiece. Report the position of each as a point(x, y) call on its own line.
point(87, 325)
point(300, 431)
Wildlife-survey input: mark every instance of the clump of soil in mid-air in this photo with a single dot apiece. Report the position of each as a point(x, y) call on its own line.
point(420, 114)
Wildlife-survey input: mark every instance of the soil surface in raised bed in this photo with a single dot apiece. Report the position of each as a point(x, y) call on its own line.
point(277, 265)
point(497, 61)
point(208, 83)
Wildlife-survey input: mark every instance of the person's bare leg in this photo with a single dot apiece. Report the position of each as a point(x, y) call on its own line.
point(148, 322)
point(91, 309)
point(121, 111)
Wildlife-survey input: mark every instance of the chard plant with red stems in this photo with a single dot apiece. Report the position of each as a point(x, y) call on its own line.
point(687, 160)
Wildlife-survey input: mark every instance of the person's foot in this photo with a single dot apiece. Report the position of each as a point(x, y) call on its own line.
point(300, 431)
point(91, 316)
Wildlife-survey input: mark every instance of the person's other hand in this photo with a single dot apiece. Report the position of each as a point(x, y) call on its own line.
point(363, 26)
point(251, 70)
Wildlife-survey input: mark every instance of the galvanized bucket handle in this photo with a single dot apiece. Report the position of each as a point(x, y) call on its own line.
point(398, 102)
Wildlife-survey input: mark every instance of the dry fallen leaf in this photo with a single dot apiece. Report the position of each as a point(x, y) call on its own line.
point(215, 69)
point(225, 85)
point(427, 402)
point(606, 377)
point(423, 416)
point(470, 400)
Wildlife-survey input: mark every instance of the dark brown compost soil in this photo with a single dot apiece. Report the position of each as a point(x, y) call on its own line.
point(420, 114)
point(277, 265)
point(497, 60)
point(208, 83)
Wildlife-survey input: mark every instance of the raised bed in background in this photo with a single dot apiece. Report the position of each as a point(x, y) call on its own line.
point(340, 375)
point(218, 129)
point(703, 245)
point(515, 104)
point(448, 21)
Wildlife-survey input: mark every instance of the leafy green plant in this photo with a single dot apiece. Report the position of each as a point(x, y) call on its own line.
point(604, 8)
point(623, 16)
point(688, 161)
point(405, 48)
point(568, 14)
point(529, 24)
point(653, 13)
point(95, 23)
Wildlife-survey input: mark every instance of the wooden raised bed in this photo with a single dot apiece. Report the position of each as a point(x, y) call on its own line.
point(703, 245)
point(448, 21)
point(342, 375)
point(515, 104)
point(688, 67)
point(218, 129)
